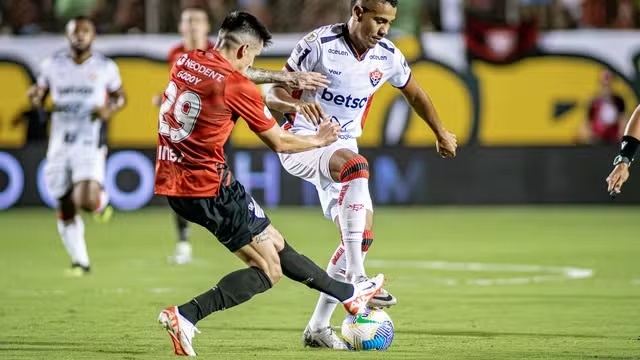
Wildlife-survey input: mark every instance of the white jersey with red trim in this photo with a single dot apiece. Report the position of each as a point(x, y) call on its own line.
point(354, 77)
point(76, 90)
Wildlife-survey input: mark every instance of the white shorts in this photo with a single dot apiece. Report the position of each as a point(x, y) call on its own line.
point(313, 166)
point(68, 165)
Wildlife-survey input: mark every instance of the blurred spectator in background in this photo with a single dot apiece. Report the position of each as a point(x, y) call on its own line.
point(258, 8)
point(27, 17)
point(130, 16)
point(606, 116)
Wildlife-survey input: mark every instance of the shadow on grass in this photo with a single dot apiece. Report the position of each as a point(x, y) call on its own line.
point(462, 333)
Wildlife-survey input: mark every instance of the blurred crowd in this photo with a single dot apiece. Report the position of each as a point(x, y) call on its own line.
point(26, 17)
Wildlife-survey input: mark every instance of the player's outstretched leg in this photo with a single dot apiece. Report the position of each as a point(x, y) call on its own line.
point(183, 254)
point(71, 230)
point(269, 257)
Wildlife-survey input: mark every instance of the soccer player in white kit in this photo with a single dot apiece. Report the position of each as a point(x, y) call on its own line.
point(86, 90)
point(357, 60)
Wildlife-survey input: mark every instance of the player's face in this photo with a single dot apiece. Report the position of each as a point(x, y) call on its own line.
point(374, 21)
point(80, 34)
point(194, 24)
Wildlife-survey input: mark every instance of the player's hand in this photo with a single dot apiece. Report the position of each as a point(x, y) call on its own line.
point(447, 145)
point(306, 80)
point(618, 176)
point(156, 100)
point(328, 132)
point(312, 111)
point(36, 95)
point(104, 113)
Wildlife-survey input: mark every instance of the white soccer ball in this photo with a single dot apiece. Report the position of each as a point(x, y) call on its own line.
point(372, 330)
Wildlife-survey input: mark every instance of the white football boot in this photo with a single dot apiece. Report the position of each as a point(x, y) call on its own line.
point(363, 290)
point(180, 330)
point(322, 338)
point(383, 299)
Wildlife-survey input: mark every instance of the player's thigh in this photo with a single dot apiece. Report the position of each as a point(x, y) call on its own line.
point(57, 176)
point(262, 252)
point(305, 165)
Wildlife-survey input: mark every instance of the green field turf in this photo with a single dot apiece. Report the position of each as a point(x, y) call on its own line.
point(446, 310)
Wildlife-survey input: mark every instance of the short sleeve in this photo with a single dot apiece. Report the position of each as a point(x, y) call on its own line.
point(114, 82)
point(401, 71)
point(43, 74)
point(244, 99)
point(306, 54)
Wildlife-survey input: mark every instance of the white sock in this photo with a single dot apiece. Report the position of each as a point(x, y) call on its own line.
point(353, 218)
point(326, 304)
point(102, 202)
point(72, 234)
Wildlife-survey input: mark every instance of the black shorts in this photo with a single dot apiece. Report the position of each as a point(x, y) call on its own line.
point(233, 216)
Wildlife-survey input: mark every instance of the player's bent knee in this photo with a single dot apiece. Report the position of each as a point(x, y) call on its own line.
point(355, 168)
point(86, 195)
point(275, 273)
point(272, 269)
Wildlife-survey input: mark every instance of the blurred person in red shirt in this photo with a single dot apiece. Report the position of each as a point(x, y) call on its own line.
point(606, 116)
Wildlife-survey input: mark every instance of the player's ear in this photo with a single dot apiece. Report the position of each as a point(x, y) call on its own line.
point(242, 51)
point(358, 11)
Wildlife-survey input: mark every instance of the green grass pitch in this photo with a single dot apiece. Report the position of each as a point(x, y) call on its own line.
point(463, 290)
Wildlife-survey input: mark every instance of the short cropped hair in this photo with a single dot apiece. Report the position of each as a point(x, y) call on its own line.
point(240, 22)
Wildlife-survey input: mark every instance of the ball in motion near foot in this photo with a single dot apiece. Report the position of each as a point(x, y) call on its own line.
point(372, 330)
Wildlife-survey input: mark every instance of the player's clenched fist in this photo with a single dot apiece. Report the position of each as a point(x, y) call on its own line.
point(447, 144)
point(312, 111)
point(328, 132)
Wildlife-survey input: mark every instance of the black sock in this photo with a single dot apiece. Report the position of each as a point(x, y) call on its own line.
point(183, 228)
point(233, 289)
point(300, 268)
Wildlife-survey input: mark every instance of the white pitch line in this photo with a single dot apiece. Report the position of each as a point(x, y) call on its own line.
point(558, 273)
point(635, 282)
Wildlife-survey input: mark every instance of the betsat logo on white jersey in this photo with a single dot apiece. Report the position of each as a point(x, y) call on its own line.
point(347, 101)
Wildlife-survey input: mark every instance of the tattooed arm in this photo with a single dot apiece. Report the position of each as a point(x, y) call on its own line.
point(294, 80)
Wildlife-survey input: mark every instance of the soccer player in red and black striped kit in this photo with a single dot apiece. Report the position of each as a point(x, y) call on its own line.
point(207, 93)
point(194, 28)
point(628, 148)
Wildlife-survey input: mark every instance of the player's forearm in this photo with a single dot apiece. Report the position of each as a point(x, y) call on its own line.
point(279, 99)
point(424, 107)
point(291, 143)
point(262, 76)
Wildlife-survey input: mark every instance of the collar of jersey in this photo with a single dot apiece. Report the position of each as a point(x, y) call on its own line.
point(347, 39)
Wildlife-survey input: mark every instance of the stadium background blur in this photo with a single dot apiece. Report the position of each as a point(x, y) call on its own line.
point(512, 78)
